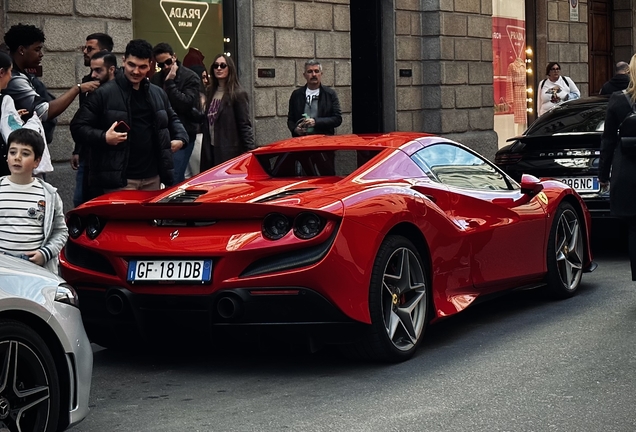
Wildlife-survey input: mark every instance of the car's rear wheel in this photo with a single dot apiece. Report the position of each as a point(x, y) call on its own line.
point(565, 253)
point(398, 303)
point(29, 384)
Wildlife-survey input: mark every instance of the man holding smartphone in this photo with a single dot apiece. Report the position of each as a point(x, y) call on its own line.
point(140, 158)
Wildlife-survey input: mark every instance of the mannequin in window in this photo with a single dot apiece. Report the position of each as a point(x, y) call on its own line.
point(516, 93)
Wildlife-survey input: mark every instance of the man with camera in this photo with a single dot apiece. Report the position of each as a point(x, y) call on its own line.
point(131, 127)
point(313, 108)
point(182, 86)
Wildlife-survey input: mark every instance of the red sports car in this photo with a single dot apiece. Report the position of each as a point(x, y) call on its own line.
point(367, 238)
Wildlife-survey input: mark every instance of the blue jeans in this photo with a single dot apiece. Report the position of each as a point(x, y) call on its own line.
point(180, 159)
point(78, 195)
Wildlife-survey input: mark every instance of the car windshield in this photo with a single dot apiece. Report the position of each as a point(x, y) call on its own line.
point(570, 118)
point(315, 163)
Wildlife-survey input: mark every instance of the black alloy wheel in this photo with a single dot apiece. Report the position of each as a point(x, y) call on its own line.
point(29, 384)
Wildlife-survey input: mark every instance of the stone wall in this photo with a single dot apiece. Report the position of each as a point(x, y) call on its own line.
point(624, 29)
point(566, 42)
point(285, 35)
point(456, 68)
point(66, 23)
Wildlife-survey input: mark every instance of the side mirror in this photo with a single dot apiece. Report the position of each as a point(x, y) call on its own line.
point(530, 184)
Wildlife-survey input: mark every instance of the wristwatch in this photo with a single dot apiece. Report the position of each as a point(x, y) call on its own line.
point(79, 87)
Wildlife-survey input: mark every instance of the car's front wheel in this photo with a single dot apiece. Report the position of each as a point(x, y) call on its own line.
point(565, 253)
point(29, 384)
point(398, 303)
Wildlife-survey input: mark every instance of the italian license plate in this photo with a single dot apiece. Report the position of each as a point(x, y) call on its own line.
point(582, 184)
point(170, 270)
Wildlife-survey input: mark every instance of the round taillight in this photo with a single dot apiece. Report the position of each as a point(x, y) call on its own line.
point(308, 225)
point(275, 226)
point(75, 226)
point(93, 227)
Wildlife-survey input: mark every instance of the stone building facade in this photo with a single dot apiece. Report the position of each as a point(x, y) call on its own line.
point(434, 67)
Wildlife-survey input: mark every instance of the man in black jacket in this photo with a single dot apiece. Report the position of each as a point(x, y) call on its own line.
point(182, 86)
point(313, 108)
point(95, 43)
point(619, 81)
point(131, 127)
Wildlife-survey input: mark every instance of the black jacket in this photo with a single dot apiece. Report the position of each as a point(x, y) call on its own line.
point(82, 98)
point(183, 94)
point(329, 114)
point(617, 83)
point(623, 168)
point(111, 103)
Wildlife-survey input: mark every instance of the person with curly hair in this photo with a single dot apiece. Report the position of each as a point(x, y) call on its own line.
point(25, 43)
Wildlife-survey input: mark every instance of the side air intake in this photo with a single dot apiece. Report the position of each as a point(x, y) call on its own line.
point(283, 194)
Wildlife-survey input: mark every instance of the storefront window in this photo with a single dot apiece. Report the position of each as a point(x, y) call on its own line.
point(509, 68)
point(193, 28)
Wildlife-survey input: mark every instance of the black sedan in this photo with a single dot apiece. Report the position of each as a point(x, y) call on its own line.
point(563, 144)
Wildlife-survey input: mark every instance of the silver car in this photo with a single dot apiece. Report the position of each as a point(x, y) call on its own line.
point(46, 359)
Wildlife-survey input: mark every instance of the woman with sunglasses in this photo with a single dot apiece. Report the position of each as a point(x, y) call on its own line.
point(555, 89)
point(227, 110)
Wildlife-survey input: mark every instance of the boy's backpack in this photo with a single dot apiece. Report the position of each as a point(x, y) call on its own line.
point(627, 131)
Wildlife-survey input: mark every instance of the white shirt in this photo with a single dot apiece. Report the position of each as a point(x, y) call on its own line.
point(559, 89)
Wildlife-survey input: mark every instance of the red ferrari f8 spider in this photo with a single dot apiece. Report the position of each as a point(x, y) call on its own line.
point(381, 234)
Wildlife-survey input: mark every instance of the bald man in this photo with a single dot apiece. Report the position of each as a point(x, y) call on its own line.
point(619, 81)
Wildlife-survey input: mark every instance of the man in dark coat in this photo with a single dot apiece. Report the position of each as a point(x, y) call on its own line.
point(617, 169)
point(131, 127)
point(619, 81)
point(313, 108)
point(95, 43)
point(183, 87)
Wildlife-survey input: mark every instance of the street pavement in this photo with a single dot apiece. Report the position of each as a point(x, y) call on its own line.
point(517, 363)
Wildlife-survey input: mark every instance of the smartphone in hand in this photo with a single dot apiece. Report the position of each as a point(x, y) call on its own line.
point(121, 127)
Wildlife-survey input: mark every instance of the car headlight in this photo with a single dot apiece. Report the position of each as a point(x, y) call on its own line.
point(66, 294)
point(308, 225)
point(75, 226)
point(93, 227)
point(275, 226)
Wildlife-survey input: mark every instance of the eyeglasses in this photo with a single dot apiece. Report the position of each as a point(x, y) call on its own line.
point(168, 62)
point(219, 65)
point(556, 68)
point(88, 49)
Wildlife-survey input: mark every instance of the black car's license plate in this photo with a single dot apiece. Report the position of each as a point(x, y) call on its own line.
point(582, 184)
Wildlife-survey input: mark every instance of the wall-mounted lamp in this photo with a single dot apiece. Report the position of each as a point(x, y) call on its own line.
point(529, 82)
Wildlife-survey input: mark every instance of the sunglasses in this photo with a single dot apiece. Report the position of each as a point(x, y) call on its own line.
point(88, 49)
point(168, 62)
point(555, 69)
point(219, 65)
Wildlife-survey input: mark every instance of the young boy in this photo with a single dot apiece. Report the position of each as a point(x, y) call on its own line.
point(31, 213)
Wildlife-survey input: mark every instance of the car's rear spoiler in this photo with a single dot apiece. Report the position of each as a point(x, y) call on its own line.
point(126, 210)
